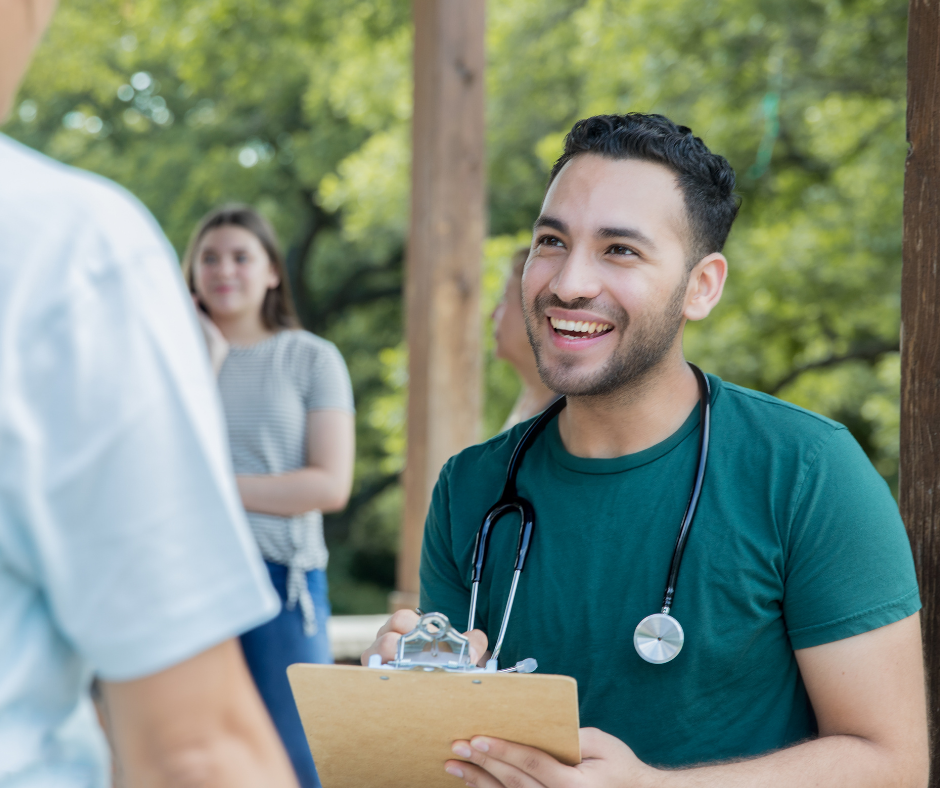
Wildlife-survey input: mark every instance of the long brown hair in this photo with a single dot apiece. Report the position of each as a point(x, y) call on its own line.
point(277, 309)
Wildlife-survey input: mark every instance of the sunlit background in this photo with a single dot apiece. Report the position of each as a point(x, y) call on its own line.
point(302, 107)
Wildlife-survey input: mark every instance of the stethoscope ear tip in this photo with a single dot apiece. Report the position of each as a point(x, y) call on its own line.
point(658, 638)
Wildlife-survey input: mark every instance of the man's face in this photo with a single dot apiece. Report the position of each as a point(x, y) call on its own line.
point(22, 23)
point(604, 289)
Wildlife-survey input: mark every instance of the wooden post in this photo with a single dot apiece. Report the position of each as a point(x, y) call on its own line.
point(920, 332)
point(444, 250)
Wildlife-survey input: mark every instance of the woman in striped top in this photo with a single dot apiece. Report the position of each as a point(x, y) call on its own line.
point(289, 407)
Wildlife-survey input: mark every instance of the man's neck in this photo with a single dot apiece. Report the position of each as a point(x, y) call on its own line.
point(631, 419)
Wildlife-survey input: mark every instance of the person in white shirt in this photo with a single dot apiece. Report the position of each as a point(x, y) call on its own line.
point(124, 551)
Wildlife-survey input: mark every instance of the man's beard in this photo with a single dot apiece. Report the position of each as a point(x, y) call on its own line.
point(627, 366)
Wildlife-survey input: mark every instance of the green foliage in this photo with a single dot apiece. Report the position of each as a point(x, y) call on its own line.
point(303, 109)
point(814, 125)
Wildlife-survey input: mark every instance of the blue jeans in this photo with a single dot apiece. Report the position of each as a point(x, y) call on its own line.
point(270, 648)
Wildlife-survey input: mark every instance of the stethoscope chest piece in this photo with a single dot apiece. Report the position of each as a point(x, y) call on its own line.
point(658, 638)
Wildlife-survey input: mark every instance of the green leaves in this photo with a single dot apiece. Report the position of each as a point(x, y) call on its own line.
point(806, 99)
point(304, 110)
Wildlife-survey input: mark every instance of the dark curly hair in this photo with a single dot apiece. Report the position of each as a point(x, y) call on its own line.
point(705, 178)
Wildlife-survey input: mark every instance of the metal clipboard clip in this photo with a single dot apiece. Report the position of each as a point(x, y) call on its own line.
point(435, 645)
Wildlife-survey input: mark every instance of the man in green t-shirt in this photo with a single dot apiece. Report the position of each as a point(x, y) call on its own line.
point(797, 595)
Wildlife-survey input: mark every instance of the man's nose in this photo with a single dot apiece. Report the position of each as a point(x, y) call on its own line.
point(578, 277)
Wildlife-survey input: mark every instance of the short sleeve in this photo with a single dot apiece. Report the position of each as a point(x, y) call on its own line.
point(849, 567)
point(443, 589)
point(327, 381)
point(125, 507)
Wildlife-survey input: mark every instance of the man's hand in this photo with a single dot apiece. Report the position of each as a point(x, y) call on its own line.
point(401, 623)
point(606, 761)
point(868, 695)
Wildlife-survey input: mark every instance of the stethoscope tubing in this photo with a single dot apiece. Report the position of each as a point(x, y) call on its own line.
point(511, 501)
point(683, 537)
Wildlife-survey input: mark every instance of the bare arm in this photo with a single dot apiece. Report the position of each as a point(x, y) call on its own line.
point(870, 702)
point(868, 695)
point(324, 484)
point(198, 724)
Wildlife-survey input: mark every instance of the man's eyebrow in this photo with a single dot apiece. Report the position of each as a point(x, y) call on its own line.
point(551, 221)
point(625, 232)
point(603, 232)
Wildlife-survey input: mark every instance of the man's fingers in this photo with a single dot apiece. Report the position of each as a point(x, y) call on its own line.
point(478, 643)
point(386, 639)
point(385, 645)
point(478, 777)
point(401, 621)
point(514, 765)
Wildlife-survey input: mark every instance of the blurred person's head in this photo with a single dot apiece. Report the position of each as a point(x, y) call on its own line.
point(234, 266)
point(512, 344)
point(626, 249)
point(22, 23)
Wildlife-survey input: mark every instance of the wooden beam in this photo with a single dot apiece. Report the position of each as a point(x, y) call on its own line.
point(920, 332)
point(443, 267)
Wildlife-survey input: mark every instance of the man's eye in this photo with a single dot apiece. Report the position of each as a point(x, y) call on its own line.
point(550, 240)
point(241, 258)
point(620, 250)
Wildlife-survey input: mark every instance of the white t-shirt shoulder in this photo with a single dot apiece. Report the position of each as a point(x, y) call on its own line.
point(123, 545)
point(42, 197)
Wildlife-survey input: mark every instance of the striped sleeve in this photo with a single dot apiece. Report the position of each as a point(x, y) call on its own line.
point(327, 384)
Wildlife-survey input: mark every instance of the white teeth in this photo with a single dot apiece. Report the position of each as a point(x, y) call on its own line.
point(580, 327)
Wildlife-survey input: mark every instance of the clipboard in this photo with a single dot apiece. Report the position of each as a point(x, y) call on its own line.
point(375, 728)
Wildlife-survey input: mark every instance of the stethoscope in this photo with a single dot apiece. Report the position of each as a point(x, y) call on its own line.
point(658, 638)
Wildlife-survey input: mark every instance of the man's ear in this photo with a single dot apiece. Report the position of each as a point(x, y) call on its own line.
point(706, 283)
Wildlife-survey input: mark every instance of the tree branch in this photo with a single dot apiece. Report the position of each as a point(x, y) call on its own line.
point(867, 353)
point(317, 220)
point(364, 284)
point(372, 488)
point(792, 155)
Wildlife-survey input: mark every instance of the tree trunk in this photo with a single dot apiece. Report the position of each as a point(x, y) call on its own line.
point(920, 330)
point(443, 270)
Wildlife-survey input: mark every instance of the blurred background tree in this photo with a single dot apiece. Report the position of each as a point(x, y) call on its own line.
point(303, 109)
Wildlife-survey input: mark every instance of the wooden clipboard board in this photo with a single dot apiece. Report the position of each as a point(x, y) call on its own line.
point(373, 728)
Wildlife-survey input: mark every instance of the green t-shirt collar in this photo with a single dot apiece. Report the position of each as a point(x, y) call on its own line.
point(594, 466)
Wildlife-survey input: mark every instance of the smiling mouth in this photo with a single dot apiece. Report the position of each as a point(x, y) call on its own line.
point(571, 329)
